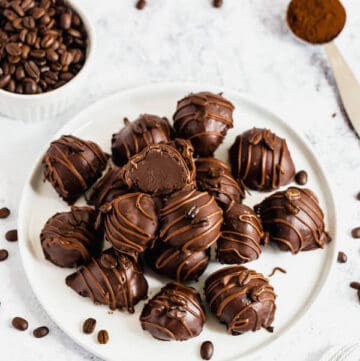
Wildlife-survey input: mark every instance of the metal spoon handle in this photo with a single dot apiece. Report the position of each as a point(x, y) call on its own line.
point(348, 86)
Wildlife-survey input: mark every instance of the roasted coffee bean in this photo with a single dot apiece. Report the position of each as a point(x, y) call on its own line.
point(30, 86)
point(358, 196)
point(17, 8)
point(356, 232)
point(52, 55)
point(19, 89)
point(301, 177)
point(65, 21)
point(25, 51)
point(29, 22)
point(17, 24)
point(45, 20)
point(4, 80)
point(4, 212)
point(45, 4)
point(4, 254)
point(22, 35)
point(12, 235)
point(38, 53)
point(76, 21)
point(56, 66)
point(217, 3)
point(28, 4)
point(11, 86)
point(14, 59)
point(342, 257)
point(47, 41)
point(31, 38)
point(10, 15)
point(66, 59)
point(207, 350)
point(77, 55)
point(103, 337)
point(75, 33)
point(41, 332)
point(140, 4)
point(44, 69)
point(20, 323)
point(31, 69)
point(66, 76)
point(13, 49)
point(50, 77)
point(38, 13)
point(89, 325)
point(355, 285)
point(59, 83)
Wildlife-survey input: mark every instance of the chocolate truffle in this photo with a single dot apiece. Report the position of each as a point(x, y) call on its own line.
point(110, 186)
point(175, 313)
point(241, 299)
point(69, 239)
point(214, 176)
point(294, 220)
point(136, 135)
point(241, 237)
point(112, 279)
point(181, 266)
point(72, 165)
point(261, 160)
point(130, 223)
point(161, 169)
point(203, 118)
point(190, 220)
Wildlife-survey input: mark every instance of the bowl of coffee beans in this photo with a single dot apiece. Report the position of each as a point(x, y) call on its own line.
point(45, 53)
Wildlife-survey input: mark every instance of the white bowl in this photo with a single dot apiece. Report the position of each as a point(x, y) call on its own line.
point(37, 107)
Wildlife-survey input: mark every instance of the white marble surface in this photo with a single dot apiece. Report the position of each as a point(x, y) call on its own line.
point(245, 46)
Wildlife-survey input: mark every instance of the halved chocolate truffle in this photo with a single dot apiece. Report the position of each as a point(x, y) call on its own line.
point(110, 186)
point(161, 169)
point(72, 165)
point(261, 160)
point(294, 220)
point(175, 313)
point(181, 266)
point(190, 220)
point(112, 279)
point(242, 235)
point(214, 176)
point(241, 299)
point(130, 223)
point(136, 135)
point(69, 239)
point(203, 118)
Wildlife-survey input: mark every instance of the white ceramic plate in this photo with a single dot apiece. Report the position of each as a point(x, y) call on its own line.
point(296, 290)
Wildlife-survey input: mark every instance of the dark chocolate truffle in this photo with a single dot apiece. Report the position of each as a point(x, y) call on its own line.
point(261, 160)
point(175, 313)
point(161, 169)
point(110, 186)
point(204, 119)
point(112, 279)
point(181, 266)
point(190, 220)
point(130, 223)
point(69, 239)
point(214, 176)
point(136, 135)
point(294, 220)
point(241, 237)
point(241, 299)
point(72, 165)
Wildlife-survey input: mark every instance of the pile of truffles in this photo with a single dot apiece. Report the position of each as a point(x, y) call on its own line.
point(163, 203)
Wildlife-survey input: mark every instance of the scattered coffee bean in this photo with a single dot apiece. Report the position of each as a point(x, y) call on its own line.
point(4, 254)
point(217, 3)
point(20, 323)
point(342, 257)
point(355, 285)
point(41, 332)
point(140, 4)
point(108, 261)
point(12, 235)
point(206, 350)
point(356, 232)
point(358, 196)
point(89, 325)
point(270, 329)
point(103, 337)
point(301, 177)
point(4, 212)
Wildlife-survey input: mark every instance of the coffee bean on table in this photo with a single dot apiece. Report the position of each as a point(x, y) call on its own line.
point(358, 196)
point(89, 325)
point(356, 232)
point(4, 212)
point(217, 3)
point(4, 254)
point(207, 350)
point(103, 337)
point(20, 323)
point(140, 4)
point(342, 257)
point(301, 177)
point(41, 332)
point(355, 285)
point(12, 235)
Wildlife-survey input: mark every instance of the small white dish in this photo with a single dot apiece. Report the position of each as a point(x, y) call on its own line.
point(44, 106)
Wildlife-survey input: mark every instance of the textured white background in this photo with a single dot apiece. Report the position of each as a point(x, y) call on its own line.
point(245, 46)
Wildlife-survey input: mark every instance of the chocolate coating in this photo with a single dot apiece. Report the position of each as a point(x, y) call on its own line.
point(241, 237)
point(110, 186)
point(175, 313)
point(190, 220)
point(241, 299)
point(203, 118)
point(72, 165)
point(214, 176)
point(261, 160)
point(118, 284)
point(136, 135)
point(161, 169)
point(130, 223)
point(294, 220)
point(181, 266)
point(69, 239)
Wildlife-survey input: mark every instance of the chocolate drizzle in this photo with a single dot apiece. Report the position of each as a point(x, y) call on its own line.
point(203, 118)
point(294, 220)
point(175, 313)
point(72, 165)
point(261, 160)
point(241, 298)
point(118, 287)
point(241, 237)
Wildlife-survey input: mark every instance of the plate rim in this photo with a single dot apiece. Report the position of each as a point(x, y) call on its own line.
point(76, 122)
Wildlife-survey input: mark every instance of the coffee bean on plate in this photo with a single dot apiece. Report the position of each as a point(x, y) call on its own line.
point(301, 177)
point(218, 3)
point(4, 254)
point(4, 212)
point(355, 285)
point(140, 4)
point(342, 257)
point(20, 323)
point(89, 325)
point(12, 235)
point(356, 232)
point(41, 332)
point(103, 337)
point(207, 350)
